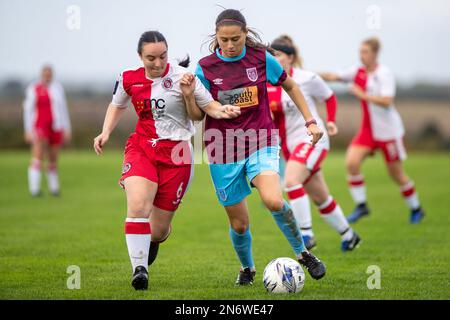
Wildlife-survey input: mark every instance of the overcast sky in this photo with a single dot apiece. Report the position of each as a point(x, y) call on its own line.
point(415, 33)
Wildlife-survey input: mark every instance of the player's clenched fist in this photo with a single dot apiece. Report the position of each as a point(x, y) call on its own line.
point(187, 84)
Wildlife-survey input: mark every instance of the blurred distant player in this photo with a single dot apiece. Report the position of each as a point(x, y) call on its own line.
point(47, 126)
point(381, 128)
point(303, 159)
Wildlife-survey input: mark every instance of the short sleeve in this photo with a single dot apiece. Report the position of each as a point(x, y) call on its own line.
point(199, 73)
point(202, 96)
point(319, 89)
point(120, 96)
point(347, 74)
point(274, 71)
point(387, 84)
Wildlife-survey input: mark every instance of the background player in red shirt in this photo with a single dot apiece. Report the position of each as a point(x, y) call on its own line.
point(47, 126)
point(381, 128)
point(158, 164)
point(303, 159)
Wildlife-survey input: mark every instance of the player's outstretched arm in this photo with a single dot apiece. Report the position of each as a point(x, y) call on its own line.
point(330, 76)
point(383, 101)
point(218, 111)
point(213, 108)
point(296, 95)
point(112, 117)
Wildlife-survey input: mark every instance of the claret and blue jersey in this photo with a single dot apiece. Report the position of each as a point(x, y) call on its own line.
point(241, 81)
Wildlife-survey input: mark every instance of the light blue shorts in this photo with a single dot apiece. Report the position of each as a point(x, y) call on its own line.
point(230, 179)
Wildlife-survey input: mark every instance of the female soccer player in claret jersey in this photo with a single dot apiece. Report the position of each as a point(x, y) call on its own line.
point(303, 159)
point(248, 147)
point(157, 166)
point(381, 128)
point(47, 127)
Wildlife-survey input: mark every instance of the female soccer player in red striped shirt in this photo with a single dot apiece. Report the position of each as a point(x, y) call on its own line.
point(157, 166)
point(47, 127)
point(303, 159)
point(381, 128)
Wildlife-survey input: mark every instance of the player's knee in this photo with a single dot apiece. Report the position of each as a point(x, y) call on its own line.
point(398, 176)
point(318, 199)
point(290, 182)
point(352, 166)
point(274, 203)
point(393, 173)
point(160, 234)
point(138, 209)
point(239, 226)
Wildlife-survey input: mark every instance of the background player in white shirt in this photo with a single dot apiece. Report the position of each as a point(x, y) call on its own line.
point(381, 128)
point(47, 127)
point(157, 166)
point(303, 159)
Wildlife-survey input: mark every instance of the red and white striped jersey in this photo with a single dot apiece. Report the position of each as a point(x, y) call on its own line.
point(158, 102)
point(45, 106)
point(384, 122)
point(290, 121)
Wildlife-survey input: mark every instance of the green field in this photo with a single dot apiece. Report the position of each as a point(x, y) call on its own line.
point(40, 238)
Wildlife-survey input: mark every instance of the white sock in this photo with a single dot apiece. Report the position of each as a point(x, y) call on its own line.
point(410, 195)
point(332, 213)
point(357, 188)
point(34, 177)
point(138, 236)
point(301, 208)
point(53, 180)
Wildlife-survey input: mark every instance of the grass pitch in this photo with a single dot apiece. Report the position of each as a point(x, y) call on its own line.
point(40, 238)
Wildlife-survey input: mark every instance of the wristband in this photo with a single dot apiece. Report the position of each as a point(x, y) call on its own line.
point(310, 122)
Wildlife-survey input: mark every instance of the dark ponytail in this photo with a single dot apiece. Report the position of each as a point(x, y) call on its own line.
point(154, 37)
point(185, 62)
point(232, 17)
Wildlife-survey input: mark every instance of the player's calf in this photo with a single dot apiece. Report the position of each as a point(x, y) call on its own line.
point(154, 247)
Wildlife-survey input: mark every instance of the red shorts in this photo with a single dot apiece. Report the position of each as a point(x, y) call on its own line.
point(165, 162)
point(47, 133)
point(393, 150)
point(311, 156)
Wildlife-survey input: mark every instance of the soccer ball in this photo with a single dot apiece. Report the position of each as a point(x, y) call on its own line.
point(283, 275)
